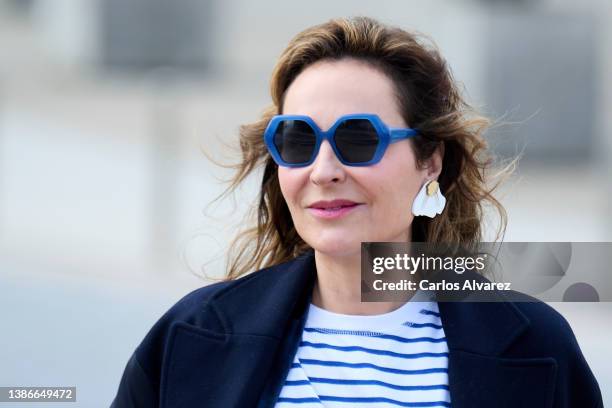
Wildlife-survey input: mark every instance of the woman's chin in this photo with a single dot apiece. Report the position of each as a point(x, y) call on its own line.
point(338, 249)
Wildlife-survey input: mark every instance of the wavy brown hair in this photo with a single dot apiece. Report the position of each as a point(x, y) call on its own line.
point(429, 100)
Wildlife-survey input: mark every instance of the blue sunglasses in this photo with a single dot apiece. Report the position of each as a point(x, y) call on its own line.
point(358, 139)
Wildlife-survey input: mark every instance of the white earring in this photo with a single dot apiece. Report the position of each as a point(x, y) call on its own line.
point(429, 201)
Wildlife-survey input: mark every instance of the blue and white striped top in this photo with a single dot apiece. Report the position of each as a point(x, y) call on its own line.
point(396, 359)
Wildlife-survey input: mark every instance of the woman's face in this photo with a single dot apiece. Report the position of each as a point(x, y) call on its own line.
point(385, 191)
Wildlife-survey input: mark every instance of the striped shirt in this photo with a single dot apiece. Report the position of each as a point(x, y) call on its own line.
point(396, 359)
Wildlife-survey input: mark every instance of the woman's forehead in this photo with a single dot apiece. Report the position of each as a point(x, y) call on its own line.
point(329, 89)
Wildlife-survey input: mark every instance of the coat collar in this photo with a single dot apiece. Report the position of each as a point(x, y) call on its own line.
point(275, 294)
point(259, 320)
point(288, 288)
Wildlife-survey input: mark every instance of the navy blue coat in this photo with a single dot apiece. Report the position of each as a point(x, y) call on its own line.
point(231, 344)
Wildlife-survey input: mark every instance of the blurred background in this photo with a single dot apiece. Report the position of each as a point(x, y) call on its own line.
point(106, 213)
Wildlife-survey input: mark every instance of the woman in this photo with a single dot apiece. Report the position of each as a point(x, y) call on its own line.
point(367, 139)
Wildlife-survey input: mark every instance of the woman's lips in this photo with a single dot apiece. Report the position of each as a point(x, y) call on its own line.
point(330, 213)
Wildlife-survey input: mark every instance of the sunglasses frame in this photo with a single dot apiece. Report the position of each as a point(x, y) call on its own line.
point(386, 136)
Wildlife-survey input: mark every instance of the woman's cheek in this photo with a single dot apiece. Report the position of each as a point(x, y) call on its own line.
point(288, 189)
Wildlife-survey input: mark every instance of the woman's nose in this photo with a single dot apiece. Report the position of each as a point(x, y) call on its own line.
point(327, 168)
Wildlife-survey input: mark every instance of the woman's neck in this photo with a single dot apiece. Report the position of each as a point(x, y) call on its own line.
point(338, 286)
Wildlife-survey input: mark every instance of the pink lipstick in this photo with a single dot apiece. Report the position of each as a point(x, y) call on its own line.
point(333, 209)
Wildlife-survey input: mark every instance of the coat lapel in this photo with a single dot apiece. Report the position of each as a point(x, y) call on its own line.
point(253, 329)
point(477, 334)
point(208, 369)
point(228, 363)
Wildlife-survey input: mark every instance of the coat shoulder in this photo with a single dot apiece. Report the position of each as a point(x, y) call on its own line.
point(190, 307)
point(193, 309)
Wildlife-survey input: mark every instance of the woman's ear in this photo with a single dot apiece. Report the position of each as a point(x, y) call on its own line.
point(434, 163)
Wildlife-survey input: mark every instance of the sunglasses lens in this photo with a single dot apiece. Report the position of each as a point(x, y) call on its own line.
point(356, 140)
point(295, 141)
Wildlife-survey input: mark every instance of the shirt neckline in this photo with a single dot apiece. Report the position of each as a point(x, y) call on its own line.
point(319, 317)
